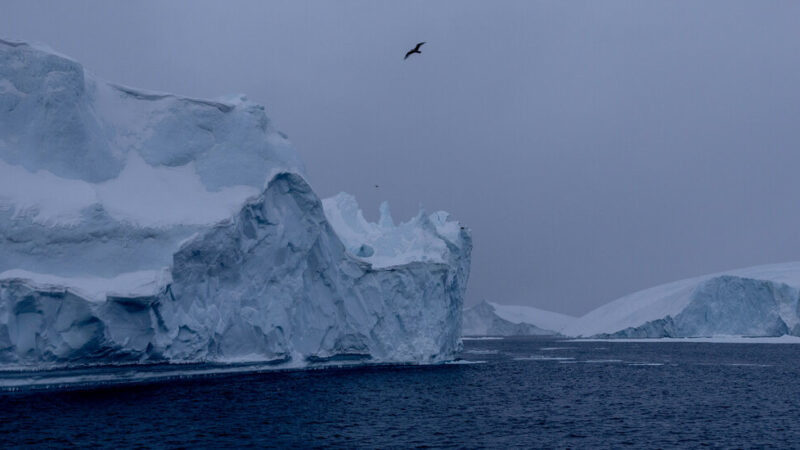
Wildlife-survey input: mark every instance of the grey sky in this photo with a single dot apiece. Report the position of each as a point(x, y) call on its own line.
point(594, 147)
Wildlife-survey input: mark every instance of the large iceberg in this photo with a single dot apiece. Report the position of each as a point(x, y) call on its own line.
point(139, 227)
point(755, 301)
point(493, 319)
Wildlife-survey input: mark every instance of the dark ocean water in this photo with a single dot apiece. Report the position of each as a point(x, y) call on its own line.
point(527, 393)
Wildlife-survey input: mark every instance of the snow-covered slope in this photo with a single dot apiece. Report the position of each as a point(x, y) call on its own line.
point(138, 226)
point(755, 301)
point(493, 319)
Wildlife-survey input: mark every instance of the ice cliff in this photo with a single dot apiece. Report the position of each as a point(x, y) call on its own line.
point(492, 319)
point(139, 226)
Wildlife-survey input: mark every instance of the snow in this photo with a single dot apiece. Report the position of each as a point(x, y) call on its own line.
point(139, 226)
point(26, 194)
point(142, 195)
point(164, 196)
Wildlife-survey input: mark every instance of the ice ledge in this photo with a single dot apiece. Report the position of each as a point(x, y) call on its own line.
point(96, 289)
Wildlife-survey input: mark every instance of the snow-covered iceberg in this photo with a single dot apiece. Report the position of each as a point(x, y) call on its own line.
point(760, 301)
point(493, 319)
point(139, 226)
point(755, 301)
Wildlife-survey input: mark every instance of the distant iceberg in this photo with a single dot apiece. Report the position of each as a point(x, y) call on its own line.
point(759, 301)
point(140, 227)
point(493, 319)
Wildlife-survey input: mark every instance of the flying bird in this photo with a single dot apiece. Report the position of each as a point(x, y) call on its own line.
point(415, 50)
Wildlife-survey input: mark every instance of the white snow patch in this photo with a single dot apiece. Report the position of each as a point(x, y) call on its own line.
point(142, 195)
point(159, 196)
point(42, 196)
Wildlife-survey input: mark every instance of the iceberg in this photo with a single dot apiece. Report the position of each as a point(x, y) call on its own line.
point(760, 301)
point(754, 302)
point(493, 319)
point(146, 227)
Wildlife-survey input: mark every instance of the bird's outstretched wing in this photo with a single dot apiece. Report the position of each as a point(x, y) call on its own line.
point(415, 50)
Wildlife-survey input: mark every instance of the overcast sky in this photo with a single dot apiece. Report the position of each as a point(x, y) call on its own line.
point(595, 148)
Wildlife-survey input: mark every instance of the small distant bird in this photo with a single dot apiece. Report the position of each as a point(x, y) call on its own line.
point(415, 50)
point(376, 186)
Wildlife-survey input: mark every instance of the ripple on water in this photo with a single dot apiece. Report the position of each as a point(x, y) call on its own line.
point(498, 403)
point(543, 358)
point(481, 352)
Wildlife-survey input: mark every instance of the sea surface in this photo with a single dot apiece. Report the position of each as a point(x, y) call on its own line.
point(504, 393)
